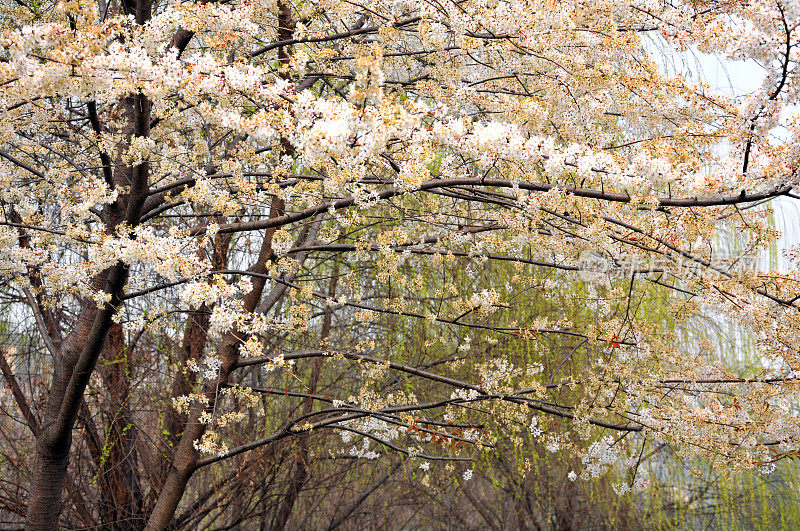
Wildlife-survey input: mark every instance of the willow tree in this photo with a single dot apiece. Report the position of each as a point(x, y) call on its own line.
point(233, 176)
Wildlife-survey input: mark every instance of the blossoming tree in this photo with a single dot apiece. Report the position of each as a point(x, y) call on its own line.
point(210, 207)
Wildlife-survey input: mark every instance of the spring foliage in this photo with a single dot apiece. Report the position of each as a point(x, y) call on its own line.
point(438, 166)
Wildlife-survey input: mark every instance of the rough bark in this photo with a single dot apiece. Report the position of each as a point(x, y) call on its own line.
point(192, 347)
point(47, 486)
point(76, 359)
point(121, 493)
point(186, 456)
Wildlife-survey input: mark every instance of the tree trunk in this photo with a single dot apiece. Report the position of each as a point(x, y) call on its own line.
point(121, 493)
point(77, 356)
point(49, 476)
point(186, 455)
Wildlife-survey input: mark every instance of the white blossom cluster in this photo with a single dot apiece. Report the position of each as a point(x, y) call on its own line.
point(465, 394)
point(211, 444)
point(208, 367)
point(364, 452)
point(600, 456)
point(527, 106)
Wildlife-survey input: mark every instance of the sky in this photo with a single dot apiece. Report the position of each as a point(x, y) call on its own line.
point(738, 79)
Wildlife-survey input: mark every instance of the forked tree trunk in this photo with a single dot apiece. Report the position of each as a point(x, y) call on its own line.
point(186, 456)
point(77, 356)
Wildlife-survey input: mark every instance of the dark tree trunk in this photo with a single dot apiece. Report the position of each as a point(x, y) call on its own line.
point(47, 486)
point(77, 356)
point(186, 456)
point(121, 494)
